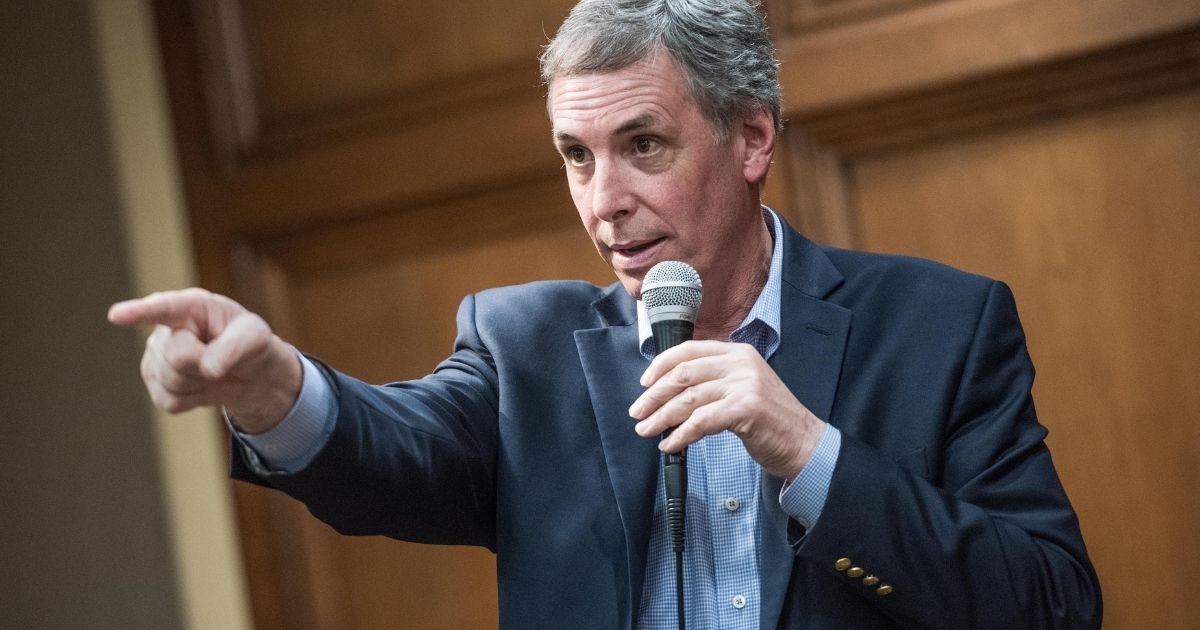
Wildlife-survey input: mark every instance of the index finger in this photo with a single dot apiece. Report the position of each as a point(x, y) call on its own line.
point(666, 361)
point(174, 309)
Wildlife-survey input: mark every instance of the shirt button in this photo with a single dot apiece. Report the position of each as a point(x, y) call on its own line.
point(739, 601)
point(732, 504)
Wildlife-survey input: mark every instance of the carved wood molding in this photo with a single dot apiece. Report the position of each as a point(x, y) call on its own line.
point(411, 106)
point(798, 16)
point(820, 202)
point(1133, 70)
point(372, 239)
point(823, 145)
point(476, 151)
point(227, 82)
point(947, 43)
point(242, 132)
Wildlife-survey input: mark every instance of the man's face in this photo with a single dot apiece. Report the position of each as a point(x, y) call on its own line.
point(647, 174)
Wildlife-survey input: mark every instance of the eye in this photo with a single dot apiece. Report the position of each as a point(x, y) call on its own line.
point(645, 145)
point(576, 155)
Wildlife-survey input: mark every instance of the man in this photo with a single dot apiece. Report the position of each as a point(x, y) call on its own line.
point(864, 451)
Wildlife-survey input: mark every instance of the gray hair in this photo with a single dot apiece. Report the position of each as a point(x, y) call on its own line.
point(721, 46)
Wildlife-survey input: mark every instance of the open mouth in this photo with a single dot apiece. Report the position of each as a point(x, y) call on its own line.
point(637, 249)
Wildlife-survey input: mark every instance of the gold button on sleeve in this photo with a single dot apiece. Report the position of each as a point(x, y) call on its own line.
point(842, 564)
point(855, 572)
point(884, 589)
point(870, 580)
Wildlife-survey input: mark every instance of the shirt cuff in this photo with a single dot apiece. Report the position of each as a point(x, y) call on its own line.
point(291, 445)
point(803, 498)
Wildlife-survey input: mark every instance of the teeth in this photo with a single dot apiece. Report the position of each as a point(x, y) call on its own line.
point(637, 248)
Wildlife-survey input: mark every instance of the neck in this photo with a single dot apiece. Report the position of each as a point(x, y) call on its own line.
point(726, 303)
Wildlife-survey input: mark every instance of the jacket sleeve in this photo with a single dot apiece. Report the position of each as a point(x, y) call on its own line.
point(413, 460)
point(985, 539)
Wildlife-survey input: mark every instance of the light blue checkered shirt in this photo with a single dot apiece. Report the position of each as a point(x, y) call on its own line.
point(721, 564)
point(721, 558)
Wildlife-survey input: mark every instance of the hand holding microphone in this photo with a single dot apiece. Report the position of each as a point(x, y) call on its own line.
point(699, 388)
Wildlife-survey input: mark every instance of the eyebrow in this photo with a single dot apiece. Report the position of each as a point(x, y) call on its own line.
point(639, 122)
point(633, 124)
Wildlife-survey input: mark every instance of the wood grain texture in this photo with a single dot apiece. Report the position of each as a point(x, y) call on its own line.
point(339, 159)
point(948, 42)
point(1092, 219)
point(804, 15)
point(321, 73)
point(1129, 71)
point(1071, 176)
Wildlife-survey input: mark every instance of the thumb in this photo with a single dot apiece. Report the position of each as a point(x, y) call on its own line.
point(246, 337)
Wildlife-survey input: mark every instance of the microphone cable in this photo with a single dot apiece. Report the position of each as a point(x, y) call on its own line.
point(675, 477)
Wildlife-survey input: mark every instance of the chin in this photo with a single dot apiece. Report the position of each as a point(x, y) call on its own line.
point(633, 286)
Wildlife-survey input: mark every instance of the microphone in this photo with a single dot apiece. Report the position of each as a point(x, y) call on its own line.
point(671, 292)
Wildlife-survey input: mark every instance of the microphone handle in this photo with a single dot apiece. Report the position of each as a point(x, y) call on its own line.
point(675, 479)
point(669, 333)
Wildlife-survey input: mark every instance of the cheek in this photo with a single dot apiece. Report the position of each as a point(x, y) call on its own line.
point(579, 198)
point(678, 206)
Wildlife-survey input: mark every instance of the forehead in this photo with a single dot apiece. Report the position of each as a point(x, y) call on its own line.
point(651, 92)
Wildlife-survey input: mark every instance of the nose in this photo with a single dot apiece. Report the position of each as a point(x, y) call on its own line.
point(612, 198)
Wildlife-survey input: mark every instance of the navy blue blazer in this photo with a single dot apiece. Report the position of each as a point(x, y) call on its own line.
point(521, 442)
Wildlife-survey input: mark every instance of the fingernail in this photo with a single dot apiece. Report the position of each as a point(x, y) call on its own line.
point(640, 428)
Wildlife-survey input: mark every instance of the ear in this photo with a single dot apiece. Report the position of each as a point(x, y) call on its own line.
point(758, 141)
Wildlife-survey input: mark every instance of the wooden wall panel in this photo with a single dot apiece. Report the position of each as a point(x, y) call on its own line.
point(804, 15)
point(327, 55)
point(417, 266)
point(1072, 177)
point(944, 43)
point(1092, 219)
point(323, 72)
point(340, 158)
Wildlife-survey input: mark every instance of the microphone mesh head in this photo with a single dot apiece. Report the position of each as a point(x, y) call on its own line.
point(671, 283)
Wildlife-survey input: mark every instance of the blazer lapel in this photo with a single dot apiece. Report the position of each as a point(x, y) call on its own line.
point(612, 366)
point(808, 361)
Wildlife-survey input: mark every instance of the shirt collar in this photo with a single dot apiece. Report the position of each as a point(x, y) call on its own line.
point(763, 317)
